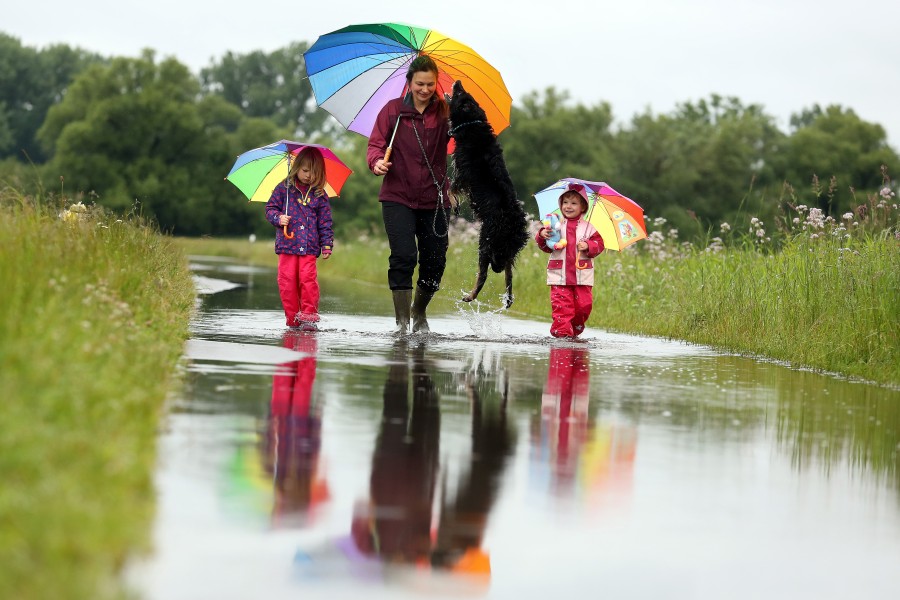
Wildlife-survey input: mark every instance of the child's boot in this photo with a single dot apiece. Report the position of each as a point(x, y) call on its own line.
point(420, 303)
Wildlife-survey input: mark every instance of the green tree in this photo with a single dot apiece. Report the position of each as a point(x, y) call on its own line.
point(549, 140)
point(838, 149)
point(31, 81)
point(270, 85)
point(700, 161)
point(131, 132)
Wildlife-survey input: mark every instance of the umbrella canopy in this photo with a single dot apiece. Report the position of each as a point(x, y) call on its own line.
point(354, 71)
point(618, 219)
point(256, 172)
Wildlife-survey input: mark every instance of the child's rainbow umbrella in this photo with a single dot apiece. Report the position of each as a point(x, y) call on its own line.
point(618, 219)
point(354, 71)
point(257, 172)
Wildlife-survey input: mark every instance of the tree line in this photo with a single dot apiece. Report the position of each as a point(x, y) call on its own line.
point(149, 135)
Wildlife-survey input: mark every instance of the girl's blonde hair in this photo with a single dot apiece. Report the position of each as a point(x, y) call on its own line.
point(312, 158)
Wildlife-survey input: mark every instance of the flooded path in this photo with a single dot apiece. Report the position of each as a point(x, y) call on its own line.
point(489, 461)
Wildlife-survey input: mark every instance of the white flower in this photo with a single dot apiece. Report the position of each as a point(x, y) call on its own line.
point(724, 227)
point(847, 216)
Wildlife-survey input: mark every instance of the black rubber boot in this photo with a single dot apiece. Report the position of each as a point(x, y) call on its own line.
point(420, 303)
point(402, 299)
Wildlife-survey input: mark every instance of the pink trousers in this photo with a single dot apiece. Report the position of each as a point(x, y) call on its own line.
point(299, 287)
point(571, 306)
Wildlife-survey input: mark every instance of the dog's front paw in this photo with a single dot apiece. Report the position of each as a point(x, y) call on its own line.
point(468, 298)
point(509, 301)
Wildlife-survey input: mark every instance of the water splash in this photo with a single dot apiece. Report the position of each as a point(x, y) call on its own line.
point(485, 322)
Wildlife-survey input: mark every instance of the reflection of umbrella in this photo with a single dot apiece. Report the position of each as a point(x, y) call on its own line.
point(354, 71)
point(619, 220)
point(257, 172)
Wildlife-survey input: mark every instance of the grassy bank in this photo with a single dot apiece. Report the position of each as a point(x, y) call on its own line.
point(813, 291)
point(93, 314)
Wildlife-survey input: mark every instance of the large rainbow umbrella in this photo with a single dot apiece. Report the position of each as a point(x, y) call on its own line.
point(618, 219)
point(354, 71)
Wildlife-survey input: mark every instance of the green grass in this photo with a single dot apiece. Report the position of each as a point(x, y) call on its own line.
point(93, 314)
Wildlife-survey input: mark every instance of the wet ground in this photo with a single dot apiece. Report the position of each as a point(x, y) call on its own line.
point(487, 460)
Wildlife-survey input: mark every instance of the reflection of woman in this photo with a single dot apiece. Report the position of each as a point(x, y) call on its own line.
point(397, 525)
point(413, 194)
point(293, 435)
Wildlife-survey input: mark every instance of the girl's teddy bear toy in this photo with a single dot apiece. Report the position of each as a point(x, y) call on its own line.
point(555, 241)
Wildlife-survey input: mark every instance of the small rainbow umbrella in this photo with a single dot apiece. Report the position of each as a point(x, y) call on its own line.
point(618, 219)
point(257, 172)
point(354, 71)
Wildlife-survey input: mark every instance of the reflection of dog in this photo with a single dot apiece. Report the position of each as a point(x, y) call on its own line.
point(481, 175)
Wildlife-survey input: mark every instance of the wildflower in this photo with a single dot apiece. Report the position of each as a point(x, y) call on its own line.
point(659, 222)
point(755, 221)
point(816, 218)
point(886, 192)
point(715, 245)
point(724, 227)
point(796, 220)
point(847, 216)
point(802, 208)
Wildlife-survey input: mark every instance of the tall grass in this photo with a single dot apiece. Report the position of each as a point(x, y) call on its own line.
point(93, 314)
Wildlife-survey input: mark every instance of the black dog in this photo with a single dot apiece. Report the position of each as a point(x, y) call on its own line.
point(481, 175)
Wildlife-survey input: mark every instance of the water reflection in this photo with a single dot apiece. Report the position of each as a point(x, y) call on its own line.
point(751, 480)
point(572, 454)
point(292, 440)
point(414, 515)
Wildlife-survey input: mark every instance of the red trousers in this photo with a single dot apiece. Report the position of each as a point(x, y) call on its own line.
point(299, 287)
point(571, 306)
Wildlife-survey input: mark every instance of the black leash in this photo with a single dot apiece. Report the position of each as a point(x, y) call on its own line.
point(440, 190)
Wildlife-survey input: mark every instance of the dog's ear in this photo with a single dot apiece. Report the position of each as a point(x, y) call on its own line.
point(447, 97)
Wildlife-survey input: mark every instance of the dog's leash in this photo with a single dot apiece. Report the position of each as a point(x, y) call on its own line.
point(440, 189)
point(456, 128)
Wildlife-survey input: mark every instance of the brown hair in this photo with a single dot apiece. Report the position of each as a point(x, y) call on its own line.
point(422, 63)
point(312, 158)
point(574, 194)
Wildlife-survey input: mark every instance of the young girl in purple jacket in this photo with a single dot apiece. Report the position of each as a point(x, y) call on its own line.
point(300, 212)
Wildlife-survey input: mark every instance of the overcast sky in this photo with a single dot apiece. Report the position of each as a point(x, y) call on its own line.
point(635, 54)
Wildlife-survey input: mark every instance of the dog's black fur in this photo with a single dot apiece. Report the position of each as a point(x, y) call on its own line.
point(481, 175)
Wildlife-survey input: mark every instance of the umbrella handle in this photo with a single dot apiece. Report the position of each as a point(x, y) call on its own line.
point(582, 263)
point(289, 236)
point(387, 155)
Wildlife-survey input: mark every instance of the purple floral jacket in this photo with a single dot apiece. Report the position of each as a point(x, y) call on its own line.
point(310, 223)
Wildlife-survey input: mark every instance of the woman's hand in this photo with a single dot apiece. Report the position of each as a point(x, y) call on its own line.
point(381, 167)
point(283, 220)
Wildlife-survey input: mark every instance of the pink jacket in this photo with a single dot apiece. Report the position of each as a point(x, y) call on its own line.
point(409, 181)
point(561, 268)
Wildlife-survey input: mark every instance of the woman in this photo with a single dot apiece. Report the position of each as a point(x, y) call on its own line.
point(414, 194)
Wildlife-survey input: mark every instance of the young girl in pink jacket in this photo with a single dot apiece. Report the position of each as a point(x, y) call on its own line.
point(570, 270)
